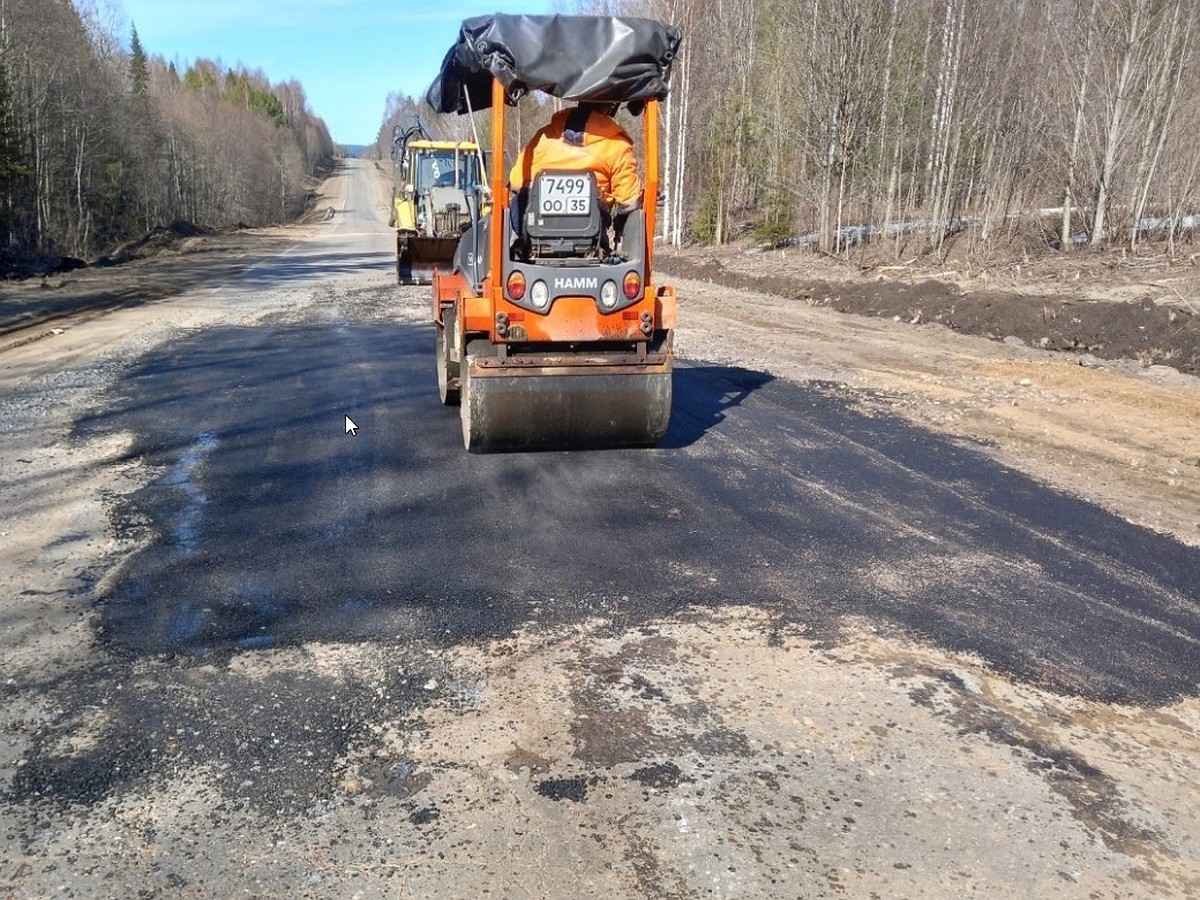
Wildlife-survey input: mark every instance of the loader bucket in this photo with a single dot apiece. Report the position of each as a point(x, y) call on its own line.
point(564, 407)
point(417, 257)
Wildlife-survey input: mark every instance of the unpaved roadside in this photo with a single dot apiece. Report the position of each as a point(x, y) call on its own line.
point(33, 307)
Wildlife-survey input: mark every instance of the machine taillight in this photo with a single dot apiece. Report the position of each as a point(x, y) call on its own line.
point(516, 286)
point(632, 285)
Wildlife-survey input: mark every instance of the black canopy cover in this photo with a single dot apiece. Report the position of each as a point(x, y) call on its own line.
point(572, 57)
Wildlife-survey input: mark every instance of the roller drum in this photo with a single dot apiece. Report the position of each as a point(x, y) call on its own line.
point(564, 408)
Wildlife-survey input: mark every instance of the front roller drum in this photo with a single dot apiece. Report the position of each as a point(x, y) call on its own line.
point(565, 408)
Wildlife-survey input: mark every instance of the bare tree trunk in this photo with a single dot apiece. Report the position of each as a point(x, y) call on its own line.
point(668, 133)
point(944, 126)
point(840, 222)
point(885, 117)
point(1173, 51)
point(825, 238)
point(949, 210)
point(681, 146)
point(1118, 109)
point(893, 193)
point(1078, 115)
point(936, 120)
point(82, 224)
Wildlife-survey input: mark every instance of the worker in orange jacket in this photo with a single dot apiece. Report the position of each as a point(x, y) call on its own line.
point(584, 138)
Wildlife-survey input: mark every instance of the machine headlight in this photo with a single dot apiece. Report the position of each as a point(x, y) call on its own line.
point(539, 294)
point(608, 295)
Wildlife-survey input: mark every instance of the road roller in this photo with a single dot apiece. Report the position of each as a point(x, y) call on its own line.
point(551, 333)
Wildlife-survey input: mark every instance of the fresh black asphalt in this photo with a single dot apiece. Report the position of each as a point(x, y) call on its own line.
point(269, 525)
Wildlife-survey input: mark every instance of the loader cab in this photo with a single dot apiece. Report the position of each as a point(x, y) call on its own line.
point(441, 180)
point(440, 167)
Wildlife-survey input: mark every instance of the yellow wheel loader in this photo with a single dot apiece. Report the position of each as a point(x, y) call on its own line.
point(437, 182)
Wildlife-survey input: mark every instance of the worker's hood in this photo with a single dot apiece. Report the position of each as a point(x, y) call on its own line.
point(573, 57)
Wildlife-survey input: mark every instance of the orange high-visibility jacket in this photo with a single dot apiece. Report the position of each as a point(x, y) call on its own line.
point(602, 147)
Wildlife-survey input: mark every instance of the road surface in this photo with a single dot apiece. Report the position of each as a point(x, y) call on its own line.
point(806, 648)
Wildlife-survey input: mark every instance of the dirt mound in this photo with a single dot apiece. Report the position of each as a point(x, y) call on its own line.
point(1143, 329)
point(17, 268)
point(161, 240)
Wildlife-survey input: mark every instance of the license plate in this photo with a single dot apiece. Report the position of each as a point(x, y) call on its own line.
point(564, 195)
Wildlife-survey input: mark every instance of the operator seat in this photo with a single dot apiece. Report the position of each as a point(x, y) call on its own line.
point(560, 217)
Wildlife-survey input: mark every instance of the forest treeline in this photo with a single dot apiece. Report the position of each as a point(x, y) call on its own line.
point(917, 125)
point(99, 143)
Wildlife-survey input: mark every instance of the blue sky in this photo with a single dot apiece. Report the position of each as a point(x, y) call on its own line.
point(348, 54)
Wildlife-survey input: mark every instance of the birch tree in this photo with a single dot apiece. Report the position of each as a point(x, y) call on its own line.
point(1126, 20)
point(1170, 47)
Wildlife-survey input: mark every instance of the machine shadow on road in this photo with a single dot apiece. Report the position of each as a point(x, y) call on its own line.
point(703, 396)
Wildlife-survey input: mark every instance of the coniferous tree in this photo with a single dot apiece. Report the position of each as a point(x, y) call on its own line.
point(139, 67)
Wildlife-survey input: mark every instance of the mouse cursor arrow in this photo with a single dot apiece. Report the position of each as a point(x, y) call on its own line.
point(351, 428)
